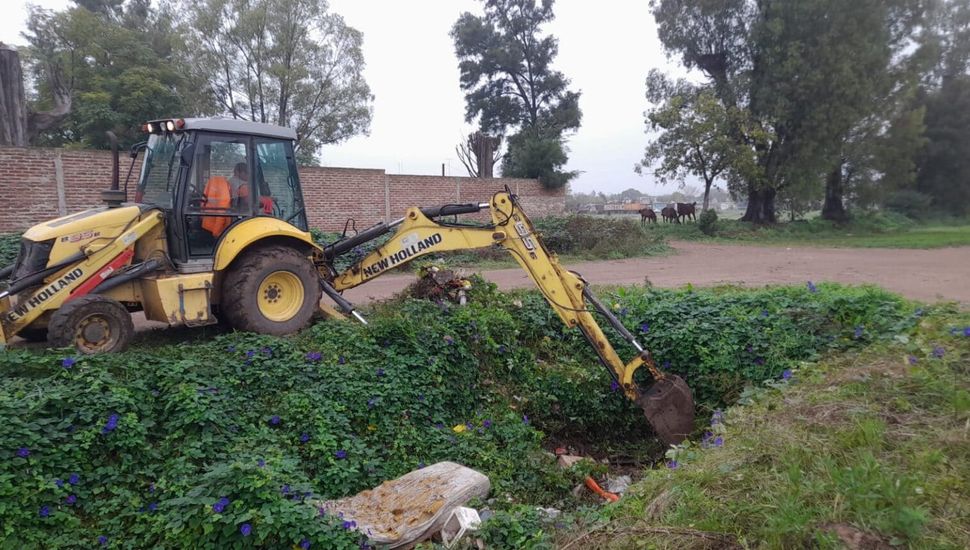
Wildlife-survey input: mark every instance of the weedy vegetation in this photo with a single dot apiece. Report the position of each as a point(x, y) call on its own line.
point(221, 443)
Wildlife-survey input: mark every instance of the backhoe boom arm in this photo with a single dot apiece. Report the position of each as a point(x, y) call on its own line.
point(417, 235)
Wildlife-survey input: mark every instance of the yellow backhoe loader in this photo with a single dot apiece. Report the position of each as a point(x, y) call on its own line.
point(218, 227)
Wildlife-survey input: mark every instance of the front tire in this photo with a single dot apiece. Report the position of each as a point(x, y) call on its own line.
point(91, 324)
point(271, 290)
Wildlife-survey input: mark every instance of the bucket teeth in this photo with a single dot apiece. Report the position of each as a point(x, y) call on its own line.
point(669, 407)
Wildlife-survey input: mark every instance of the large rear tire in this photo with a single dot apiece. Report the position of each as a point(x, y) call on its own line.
point(271, 290)
point(91, 324)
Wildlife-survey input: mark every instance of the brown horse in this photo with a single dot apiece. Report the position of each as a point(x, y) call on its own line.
point(685, 210)
point(647, 214)
point(669, 214)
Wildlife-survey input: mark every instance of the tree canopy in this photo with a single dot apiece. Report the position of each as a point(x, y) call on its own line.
point(511, 88)
point(286, 62)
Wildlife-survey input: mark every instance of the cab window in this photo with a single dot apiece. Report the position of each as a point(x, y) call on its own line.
point(279, 183)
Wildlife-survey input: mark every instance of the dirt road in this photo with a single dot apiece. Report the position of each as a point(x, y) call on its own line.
point(927, 275)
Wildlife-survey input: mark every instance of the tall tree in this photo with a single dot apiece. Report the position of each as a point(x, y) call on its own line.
point(694, 134)
point(805, 70)
point(115, 66)
point(511, 87)
point(286, 62)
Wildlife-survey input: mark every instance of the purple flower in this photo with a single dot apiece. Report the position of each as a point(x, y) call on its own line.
point(525, 419)
point(23, 452)
point(449, 340)
point(220, 505)
point(764, 312)
point(501, 349)
point(231, 349)
point(103, 540)
point(245, 529)
point(261, 463)
point(304, 437)
point(487, 424)
point(348, 525)
point(314, 356)
point(420, 397)
point(672, 465)
point(74, 479)
point(68, 362)
point(151, 487)
point(812, 288)
point(718, 441)
point(59, 483)
point(759, 361)
point(750, 348)
point(267, 352)
point(614, 385)
point(665, 365)
point(468, 425)
point(285, 489)
point(966, 331)
point(912, 359)
point(380, 372)
point(152, 506)
point(321, 511)
point(250, 354)
point(371, 402)
point(858, 332)
point(44, 511)
point(340, 454)
point(341, 360)
point(420, 465)
point(786, 374)
point(717, 417)
point(110, 425)
point(305, 544)
point(644, 327)
point(623, 312)
point(274, 420)
point(938, 352)
point(70, 500)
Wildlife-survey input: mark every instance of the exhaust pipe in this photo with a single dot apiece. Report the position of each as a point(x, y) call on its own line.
point(113, 196)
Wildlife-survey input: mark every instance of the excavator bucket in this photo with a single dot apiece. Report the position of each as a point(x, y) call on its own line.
point(669, 407)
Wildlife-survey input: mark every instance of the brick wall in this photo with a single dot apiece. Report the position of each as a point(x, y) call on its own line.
point(30, 192)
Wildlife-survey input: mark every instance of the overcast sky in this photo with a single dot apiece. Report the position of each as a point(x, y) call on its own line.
point(606, 48)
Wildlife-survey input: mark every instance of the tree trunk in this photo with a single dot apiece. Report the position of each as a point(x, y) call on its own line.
point(19, 125)
point(833, 209)
point(707, 195)
point(761, 206)
point(13, 104)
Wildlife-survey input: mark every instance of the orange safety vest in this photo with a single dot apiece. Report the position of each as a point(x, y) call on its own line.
point(218, 198)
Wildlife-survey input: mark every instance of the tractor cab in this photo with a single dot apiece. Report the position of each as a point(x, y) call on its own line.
point(209, 174)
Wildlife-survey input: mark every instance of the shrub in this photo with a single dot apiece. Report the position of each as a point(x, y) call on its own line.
point(9, 248)
point(911, 204)
point(596, 237)
point(158, 436)
point(707, 222)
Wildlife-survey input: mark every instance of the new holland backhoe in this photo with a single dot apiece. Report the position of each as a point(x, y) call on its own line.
point(218, 227)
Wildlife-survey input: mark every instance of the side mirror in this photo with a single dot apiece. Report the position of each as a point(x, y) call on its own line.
point(187, 153)
point(136, 148)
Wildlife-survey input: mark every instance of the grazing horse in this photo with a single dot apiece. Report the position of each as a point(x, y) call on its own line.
point(685, 210)
point(669, 214)
point(647, 214)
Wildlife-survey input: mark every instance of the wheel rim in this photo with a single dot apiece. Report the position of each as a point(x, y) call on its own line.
point(94, 334)
point(280, 296)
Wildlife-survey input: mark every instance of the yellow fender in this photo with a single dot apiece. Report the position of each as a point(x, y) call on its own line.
point(242, 235)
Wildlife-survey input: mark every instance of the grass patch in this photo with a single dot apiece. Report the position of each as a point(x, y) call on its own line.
point(880, 230)
point(867, 449)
